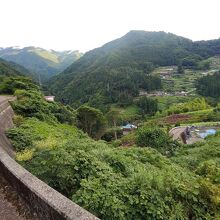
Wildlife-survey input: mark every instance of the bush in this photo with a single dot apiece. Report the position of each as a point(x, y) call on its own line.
point(156, 138)
point(32, 104)
point(192, 105)
point(9, 85)
point(18, 120)
point(114, 183)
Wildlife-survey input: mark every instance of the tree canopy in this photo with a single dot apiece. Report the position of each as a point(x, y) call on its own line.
point(209, 85)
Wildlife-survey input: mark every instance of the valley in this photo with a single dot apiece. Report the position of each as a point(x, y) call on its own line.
point(134, 131)
point(41, 64)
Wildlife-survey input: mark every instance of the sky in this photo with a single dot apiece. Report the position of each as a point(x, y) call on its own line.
point(86, 24)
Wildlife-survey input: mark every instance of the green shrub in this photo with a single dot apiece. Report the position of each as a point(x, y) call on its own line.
point(192, 105)
point(32, 104)
point(156, 138)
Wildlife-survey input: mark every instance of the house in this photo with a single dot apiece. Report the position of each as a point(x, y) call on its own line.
point(128, 128)
point(49, 98)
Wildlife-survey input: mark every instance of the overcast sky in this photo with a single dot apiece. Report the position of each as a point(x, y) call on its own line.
point(86, 24)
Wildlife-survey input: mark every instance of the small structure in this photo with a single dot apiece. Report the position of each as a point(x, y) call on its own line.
point(128, 128)
point(165, 75)
point(49, 98)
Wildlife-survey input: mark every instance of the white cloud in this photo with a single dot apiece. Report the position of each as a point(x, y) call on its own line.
point(85, 24)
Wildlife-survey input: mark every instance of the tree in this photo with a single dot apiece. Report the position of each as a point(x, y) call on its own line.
point(147, 105)
point(180, 69)
point(209, 85)
point(91, 121)
point(113, 116)
point(156, 138)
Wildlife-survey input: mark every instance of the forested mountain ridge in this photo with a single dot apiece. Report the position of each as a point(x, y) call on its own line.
point(118, 69)
point(12, 69)
point(42, 63)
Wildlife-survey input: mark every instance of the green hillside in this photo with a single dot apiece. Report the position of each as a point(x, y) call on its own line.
point(42, 63)
point(155, 178)
point(117, 70)
point(11, 69)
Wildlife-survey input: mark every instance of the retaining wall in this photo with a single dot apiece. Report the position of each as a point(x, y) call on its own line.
point(46, 202)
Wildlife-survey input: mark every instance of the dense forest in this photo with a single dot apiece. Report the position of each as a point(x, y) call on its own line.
point(117, 70)
point(11, 69)
point(209, 85)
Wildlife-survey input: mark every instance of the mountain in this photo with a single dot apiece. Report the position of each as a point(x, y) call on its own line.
point(11, 69)
point(118, 69)
point(42, 63)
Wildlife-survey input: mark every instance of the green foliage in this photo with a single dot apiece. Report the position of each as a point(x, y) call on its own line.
point(147, 106)
point(113, 117)
point(203, 158)
point(196, 62)
point(10, 69)
point(8, 85)
point(116, 71)
point(112, 134)
point(32, 104)
point(156, 138)
point(127, 114)
point(191, 61)
point(209, 169)
point(21, 139)
point(7, 70)
point(33, 133)
point(204, 65)
point(192, 105)
point(114, 183)
point(91, 121)
point(209, 85)
point(180, 69)
point(101, 87)
point(158, 180)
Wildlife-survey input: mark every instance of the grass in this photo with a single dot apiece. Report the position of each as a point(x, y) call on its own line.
point(210, 123)
point(43, 135)
point(129, 113)
point(164, 102)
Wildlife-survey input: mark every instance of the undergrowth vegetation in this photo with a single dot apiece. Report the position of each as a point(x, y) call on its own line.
point(110, 181)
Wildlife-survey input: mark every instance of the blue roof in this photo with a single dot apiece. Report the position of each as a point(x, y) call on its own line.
point(129, 126)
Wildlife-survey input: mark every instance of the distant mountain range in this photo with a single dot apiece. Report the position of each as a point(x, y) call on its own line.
point(41, 63)
point(117, 70)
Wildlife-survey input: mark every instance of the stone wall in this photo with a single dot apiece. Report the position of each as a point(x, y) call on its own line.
point(46, 202)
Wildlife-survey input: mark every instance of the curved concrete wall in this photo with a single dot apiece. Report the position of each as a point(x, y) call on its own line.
point(46, 202)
